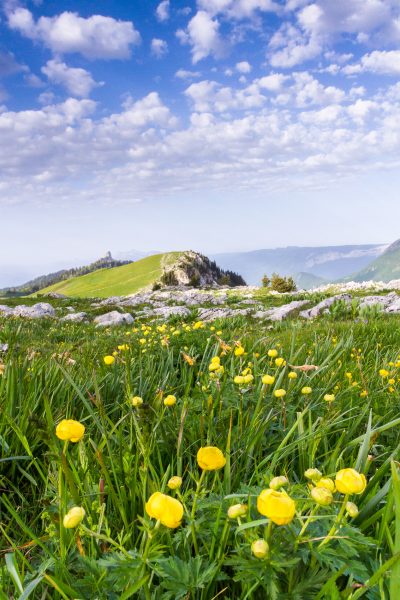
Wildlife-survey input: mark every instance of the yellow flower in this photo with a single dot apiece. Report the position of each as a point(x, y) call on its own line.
point(292, 375)
point(273, 353)
point(268, 379)
point(363, 394)
point(216, 359)
point(351, 509)
point(213, 366)
point(174, 482)
point(350, 481)
point(306, 390)
point(210, 458)
point(237, 510)
point(279, 393)
point(109, 360)
point(123, 347)
point(169, 400)
point(277, 482)
point(248, 378)
point(238, 379)
point(71, 430)
point(2, 368)
point(322, 496)
point(137, 401)
point(313, 474)
point(260, 548)
point(391, 381)
point(329, 397)
point(198, 325)
point(239, 351)
point(277, 506)
point(73, 517)
point(327, 483)
point(383, 373)
point(280, 362)
point(165, 509)
point(189, 359)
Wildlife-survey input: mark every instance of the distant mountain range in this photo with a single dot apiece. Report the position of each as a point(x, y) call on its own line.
point(384, 268)
point(310, 266)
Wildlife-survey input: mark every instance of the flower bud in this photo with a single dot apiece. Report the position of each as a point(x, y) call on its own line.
point(327, 483)
point(260, 548)
point(237, 510)
point(73, 517)
point(322, 496)
point(313, 474)
point(174, 482)
point(136, 401)
point(352, 509)
point(277, 482)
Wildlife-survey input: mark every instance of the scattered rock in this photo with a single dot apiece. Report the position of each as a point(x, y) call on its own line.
point(280, 312)
point(5, 311)
point(113, 318)
point(76, 317)
point(54, 295)
point(37, 311)
point(323, 306)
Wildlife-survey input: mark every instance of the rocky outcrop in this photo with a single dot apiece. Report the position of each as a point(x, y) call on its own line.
point(323, 306)
point(196, 270)
point(37, 311)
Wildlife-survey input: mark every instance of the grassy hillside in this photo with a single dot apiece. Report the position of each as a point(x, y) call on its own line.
point(384, 268)
point(119, 281)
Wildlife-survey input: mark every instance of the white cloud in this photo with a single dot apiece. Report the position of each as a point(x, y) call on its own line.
point(378, 61)
point(162, 11)
point(243, 67)
point(203, 35)
point(237, 9)
point(209, 96)
point(185, 74)
point(94, 37)
point(78, 82)
point(159, 47)
point(272, 82)
point(318, 24)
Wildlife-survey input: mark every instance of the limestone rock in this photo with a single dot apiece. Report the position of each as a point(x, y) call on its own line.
point(39, 310)
point(113, 318)
point(323, 306)
point(76, 317)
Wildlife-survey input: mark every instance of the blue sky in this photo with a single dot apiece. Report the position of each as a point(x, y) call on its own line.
point(215, 125)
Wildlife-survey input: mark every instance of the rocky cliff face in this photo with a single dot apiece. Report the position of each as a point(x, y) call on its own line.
point(196, 270)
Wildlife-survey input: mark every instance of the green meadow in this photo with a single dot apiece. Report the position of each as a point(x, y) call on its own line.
point(121, 503)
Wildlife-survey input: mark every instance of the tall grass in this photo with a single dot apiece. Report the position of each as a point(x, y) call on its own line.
point(128, 453)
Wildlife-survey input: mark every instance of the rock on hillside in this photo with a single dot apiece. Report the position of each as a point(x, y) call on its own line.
point(196, 270)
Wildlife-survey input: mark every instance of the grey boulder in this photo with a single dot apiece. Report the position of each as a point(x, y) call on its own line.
point(113, 318)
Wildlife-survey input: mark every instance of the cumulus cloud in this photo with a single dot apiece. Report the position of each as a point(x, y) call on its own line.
point(77, 82)
point(158, 47)
point(185, 74)
point(318, 24)
point(94, 37)
point(162, 11)
point(202, 34)
point(237, 9)
point(9, 65)
point(243, 67)
point(379, 61)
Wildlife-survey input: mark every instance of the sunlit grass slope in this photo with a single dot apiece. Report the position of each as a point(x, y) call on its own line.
point(119, 281)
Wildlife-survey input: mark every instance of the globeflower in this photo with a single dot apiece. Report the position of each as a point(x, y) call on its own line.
point(210, 458)
point(175, 482)
point(237, 510)
point(277, 506)
point(73, 517)
point(350, 481)
point(329, 397)
point(322, 496)
point(260, 548)
point(277, 482)
point(383, 373)
point(169, 400)
point(272, 353)
point(313, 474)
point(327, 483)
point(268, 379)
point(306, 390)
point(137, 401)
point(280, 362)
point(167, 510)
point(238, 379)
point(70, 430)
point(239, 351)
point(292, 375)
point(109, 360)
point(351, 509)
point(279, 393)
